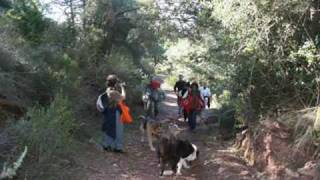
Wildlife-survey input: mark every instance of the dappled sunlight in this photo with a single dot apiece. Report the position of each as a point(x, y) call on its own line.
point(170, 104)
point(171, 95)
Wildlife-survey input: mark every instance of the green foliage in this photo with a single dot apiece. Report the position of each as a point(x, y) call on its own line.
point(270, 59)
point(226, 118)
point(308, 52)
point(225, 98)
point(120, 63)
point(171, 80)
point(48, 131)
point(66, 72)
point(29, 19)
point(5, 3)
point(232, 109)
point(257, 50)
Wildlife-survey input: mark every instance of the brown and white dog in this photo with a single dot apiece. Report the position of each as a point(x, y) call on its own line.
point(152, 128)
point(176, 153)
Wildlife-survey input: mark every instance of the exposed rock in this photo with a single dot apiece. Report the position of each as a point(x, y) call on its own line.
point(311, 169)
point(272, 151)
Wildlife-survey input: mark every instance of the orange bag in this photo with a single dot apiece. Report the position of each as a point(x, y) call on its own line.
point(126, 117)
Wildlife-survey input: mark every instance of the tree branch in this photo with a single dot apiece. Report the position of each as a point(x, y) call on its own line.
point(125, 11)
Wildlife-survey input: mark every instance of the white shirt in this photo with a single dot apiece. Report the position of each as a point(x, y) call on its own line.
point(205, 92)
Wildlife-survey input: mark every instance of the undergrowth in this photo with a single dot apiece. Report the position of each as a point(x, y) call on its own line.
point(48, 130)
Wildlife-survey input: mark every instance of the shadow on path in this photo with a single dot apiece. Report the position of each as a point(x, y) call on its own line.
point(216, 161)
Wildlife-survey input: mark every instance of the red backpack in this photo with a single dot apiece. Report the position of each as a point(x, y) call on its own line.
point(193, 102)
point(154, 84)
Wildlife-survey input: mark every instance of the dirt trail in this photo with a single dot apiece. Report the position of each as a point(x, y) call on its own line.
point(216, 160)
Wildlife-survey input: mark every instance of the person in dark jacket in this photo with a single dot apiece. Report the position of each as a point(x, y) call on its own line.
point(108, 105)
point(178, 87)
point(183, 95)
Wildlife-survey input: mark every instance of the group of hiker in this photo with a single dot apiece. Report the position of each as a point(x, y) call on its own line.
point(192, 99)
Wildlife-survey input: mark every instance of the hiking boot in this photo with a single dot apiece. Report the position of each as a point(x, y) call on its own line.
point(108, 149)
point(118, 151)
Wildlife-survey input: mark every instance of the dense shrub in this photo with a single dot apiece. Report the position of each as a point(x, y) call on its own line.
point(48, 131)
point(120, 63)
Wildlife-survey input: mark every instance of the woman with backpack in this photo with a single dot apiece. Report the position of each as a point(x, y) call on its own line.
point(115, 114)
point(193, 105)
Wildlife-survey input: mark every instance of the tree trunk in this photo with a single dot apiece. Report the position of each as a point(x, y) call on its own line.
point(84, 18)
